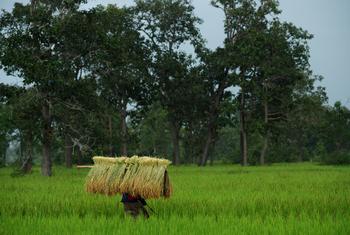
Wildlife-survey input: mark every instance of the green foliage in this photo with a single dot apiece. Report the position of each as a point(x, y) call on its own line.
point(336, 158)
point(167, 24)
point(227, 146)
point(110, 77)
point(5, 128)
point(154, 133)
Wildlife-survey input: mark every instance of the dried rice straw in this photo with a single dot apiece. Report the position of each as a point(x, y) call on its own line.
point(144, 176)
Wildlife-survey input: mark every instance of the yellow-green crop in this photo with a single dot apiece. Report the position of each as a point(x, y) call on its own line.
point(226, 199)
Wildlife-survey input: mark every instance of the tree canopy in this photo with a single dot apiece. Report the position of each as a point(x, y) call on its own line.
point(117, 81)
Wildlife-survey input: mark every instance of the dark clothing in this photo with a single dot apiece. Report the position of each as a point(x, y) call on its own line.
point(134, 209)
point(132, 199)
point(134, 205)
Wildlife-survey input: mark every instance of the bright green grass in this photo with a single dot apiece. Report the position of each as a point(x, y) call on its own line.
point(279, 199)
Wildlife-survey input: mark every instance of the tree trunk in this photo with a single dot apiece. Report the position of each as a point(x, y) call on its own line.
point(243, 133)
point(212, 120)
point(263, 151)
point(301, 153)
point(175, 134)
point(68, 150)
point(3, 147)
point(205, 154)
point(28, 160)
point(29, 164)
point(190, 150)
point(3, 154)
point(21, 146)
point(3, 159)
point(110, 133)
point(123, 128)
point(47, 138)
point(264, 148)
point(79, 156)
point(244, 154)
point(212, 154)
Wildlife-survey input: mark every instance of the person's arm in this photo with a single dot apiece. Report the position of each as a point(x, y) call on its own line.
point(143, 201)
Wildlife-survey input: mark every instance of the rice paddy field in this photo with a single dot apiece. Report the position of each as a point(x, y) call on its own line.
point(226, 199)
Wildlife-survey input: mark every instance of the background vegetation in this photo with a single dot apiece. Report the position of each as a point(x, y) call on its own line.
point(117, 81)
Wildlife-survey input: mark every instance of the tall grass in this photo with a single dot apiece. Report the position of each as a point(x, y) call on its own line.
point(279, 199)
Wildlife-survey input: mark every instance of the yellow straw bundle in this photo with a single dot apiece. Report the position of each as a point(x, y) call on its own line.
point(144, 176)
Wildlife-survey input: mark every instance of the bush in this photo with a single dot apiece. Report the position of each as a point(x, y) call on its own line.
point(336, 158)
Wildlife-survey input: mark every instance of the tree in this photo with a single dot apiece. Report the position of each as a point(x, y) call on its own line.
point(333, 134)
point(78, 45)
point(281, 70)
point(29, 40)
point(26, 118)
point(154, 132)
point(120, 65)
point(216, 78)
point(268, 58)
point(6, 123)
point(167, 25)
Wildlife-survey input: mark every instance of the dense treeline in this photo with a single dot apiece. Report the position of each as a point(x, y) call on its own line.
point(117, 81)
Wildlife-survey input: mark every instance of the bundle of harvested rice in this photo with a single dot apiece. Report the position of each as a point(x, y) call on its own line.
point(144, 176)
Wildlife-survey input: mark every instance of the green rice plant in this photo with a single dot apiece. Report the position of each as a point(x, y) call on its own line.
point(222, 199)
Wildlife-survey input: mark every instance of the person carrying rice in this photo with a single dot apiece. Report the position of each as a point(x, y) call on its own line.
point(134, 205)
point(136, 178)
